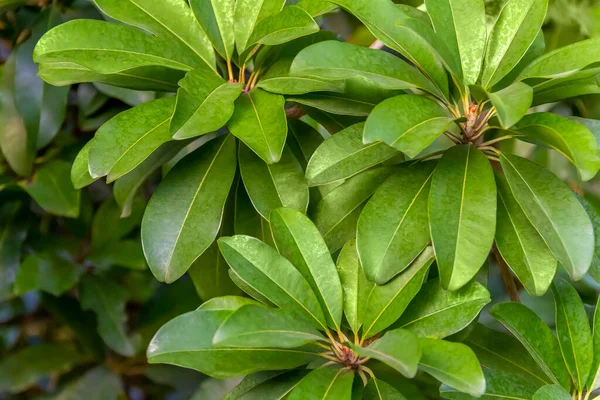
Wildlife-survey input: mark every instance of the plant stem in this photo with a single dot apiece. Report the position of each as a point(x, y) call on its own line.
point(452, 137)
point(242, 76)
point(490, 142)
point(490, 148)
point(230, 71)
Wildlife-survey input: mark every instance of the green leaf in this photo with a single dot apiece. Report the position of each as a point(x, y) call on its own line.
point(259, 121)
point(393, 228)
point(47, 272)
point(217, 19)
point(186, 341)
point(247, 221)
point(338, 60)
point(107, 48)
point(344, 155)
point(26, 367)
point(108, 215)
point(379, 390)
point(106, 384)
point(552, 392)
point(570, 138)
point(337, 105)
point(573, 330)
point(437, 313)
point(565, 60)
point(355, 286)
point(52, 189)
point(386, 303)
point(248, 13)
point(128, 139)
point(255, 326)
point(594, 271)
point(271, 186)
point(337, 213)
point(183, 216)
point(294, 85)
point(398, 348)
point(537, 48)
point(554, 211)
point(272, 275)
point(266, 385)
point(80, 172)
point(537, 338)
point(409, 123)
point(126, 254)
point(461, 25)
point(593, 382)
point(326, 383)
point(303, 140)
point(512, 103)
point(205, 103)
point(172, 20)
point(520, 244)
point(316, 7)
point(210, 275)
point(13, 230)
point(462, 214)
point(515, 29)
point(299, 240)
point(107, 299)
point(290, 23)
point(453, 364)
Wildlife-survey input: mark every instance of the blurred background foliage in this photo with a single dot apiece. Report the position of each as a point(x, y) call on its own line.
point(78, 304)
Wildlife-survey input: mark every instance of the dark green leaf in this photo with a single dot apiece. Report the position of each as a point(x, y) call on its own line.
point(335, 104)
point(106, 386)
point(216, 19)
point(327, 383)
point(266, 385)
point(551, 392)
point(47, 272)
point(594, 378)
point(379, 390)
point(13, 229)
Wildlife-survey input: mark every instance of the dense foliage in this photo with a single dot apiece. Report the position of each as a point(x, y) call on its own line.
point(328, 220)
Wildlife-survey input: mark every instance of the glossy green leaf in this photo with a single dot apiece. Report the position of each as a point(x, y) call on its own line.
point(398, 348)
point(393, 228)
point(537, 338)
point(554, 211)
point(290, 23)
point(537, 48)
point(52, 189)
point(551, 392)
point(216, 19)
point(408, 123)
point(386, 303)
point(248, 13)
point(461, 25)
point(205, 102)
point(107, 48)
point(271, 186)
point(337, 105)
point(263, 385)
point(186, 341)
point(380, 390)
point(107, 299)
point(355, 286)
point(593, 382)
point(184, 214)
point(453, 364)
point(272, 275)
point(515, 29)
point(126, 140)
point(594, 271)
point(337, 213)
point(462, 214)
point(171, 19)
point(299, 240)
point(106, 384)
point(437, 313)
point(338, 60)
point(249, 290)
point(80, 172)
point(247, 221)
point(259, 121)
point(327, 383)
point(47, 272)
point(573, 330)
point(316, 7)
point(210, 275)
point(278, 80)
point(512, 103)
point(256, 326)
point(571, 139)
point(520, 245)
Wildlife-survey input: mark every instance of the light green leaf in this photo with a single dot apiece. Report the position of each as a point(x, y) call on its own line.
point(183, 216)
point(259, 121)
point(294, 85)
point(462, 214)
point(537, 48)
point(407, 122)
point(537, 338)
point(515, 29)
point(327, 383)
point(171, 19)
point(453, 364)
point(271, 186)
point(512, 103)
point(299, 240)
point(290, 23)
point(186, 341)
point(47, 272)
point(393, 228)
point(573, 330)
point(461, 25)
point(125, 141)
point(554, 211)
point(437, 313)
point(80, 172)
point(593, 382)
point(570, 138)
point(552, 392)
point(520, 244)
point(248, 13)
point(205, 103)
point(344, 155)
point(386, 303)
point(272, 275)
point(216, 19)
